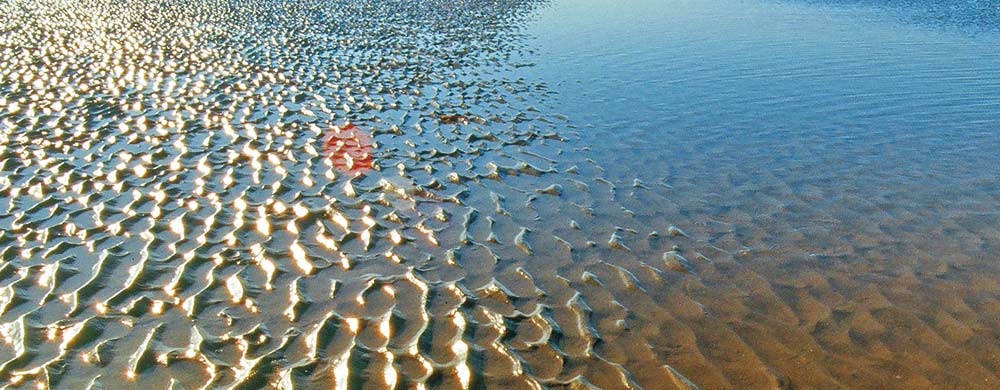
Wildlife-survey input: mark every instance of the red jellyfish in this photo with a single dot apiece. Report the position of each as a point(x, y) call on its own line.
point(349, 148)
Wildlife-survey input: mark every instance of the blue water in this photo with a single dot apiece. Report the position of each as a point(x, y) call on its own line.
point(832, 100)
point(850, 142)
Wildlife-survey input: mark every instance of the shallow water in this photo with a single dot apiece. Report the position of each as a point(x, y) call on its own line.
point(834, 162)
point(724, 194)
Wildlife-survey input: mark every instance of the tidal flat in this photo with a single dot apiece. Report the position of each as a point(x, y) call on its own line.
point(499, 194)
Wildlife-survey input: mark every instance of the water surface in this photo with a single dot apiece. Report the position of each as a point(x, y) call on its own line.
point(835, 161)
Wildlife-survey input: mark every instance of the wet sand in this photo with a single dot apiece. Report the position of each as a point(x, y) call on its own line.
point(171, 217)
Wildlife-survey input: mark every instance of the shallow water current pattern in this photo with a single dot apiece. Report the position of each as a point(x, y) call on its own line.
point(354, 194)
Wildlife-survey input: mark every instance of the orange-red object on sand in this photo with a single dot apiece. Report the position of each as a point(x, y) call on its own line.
point(349, 148)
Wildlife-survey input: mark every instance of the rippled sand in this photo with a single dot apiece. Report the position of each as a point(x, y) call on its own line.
point(171, 217)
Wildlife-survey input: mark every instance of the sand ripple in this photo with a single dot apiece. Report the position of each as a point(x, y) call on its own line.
point(169, 215)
